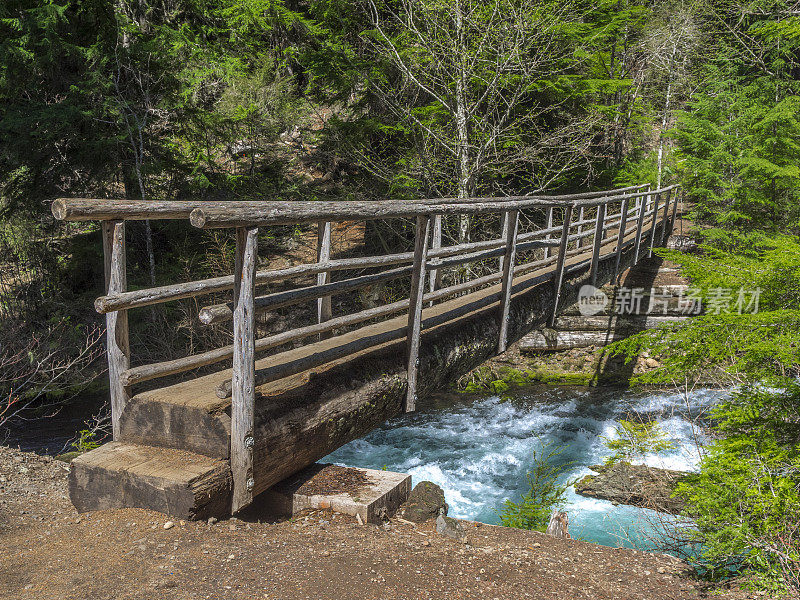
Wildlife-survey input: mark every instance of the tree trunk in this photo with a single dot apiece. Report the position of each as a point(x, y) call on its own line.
point(664, 121)
point(559, 525)
point(462, 130)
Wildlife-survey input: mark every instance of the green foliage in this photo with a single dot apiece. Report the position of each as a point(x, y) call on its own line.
point(745, 501)
point(633, 440)
point(739, 136)
point(546, 492)
point(87, 440)
point(730, 346)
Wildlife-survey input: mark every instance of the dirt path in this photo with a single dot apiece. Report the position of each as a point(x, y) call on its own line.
point(48, 551)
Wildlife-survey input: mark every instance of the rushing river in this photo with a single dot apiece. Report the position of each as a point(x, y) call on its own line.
point(479, 450)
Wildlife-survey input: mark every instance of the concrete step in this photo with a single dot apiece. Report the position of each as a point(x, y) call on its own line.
point(366, 493)
point(178, 483)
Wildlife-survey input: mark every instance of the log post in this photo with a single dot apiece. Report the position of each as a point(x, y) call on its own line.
point(511, 219)
point(623, 225)
point(579, 243)
point(562, 257)
point(436, 243)
point(598, 241)
point(243, 383)
point(665, 229)
point(503, 236)
point(117, 340)
point(675, 209)
point(323, 256)
point(415, 308)
point(637, 244)
point(548, 237)
point(656, 199)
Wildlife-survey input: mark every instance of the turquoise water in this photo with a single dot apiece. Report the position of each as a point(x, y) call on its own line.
point(479, 449)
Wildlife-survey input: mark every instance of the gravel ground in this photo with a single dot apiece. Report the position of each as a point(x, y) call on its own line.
point(47, 550)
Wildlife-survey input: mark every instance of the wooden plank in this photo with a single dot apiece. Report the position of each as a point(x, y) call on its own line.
point(324, 310)
point(511, 219)
point(623, 224)
point(243, 381)
point(653, 224)
point(579, 243)
point(616, 198)
point(598, 241)
point(562, 257)
point(182, 484)
point(117, 340)
point(415, 309)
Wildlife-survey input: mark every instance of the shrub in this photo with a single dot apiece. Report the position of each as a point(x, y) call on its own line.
point(745, 501)
point(636, 439)
point(545, 492)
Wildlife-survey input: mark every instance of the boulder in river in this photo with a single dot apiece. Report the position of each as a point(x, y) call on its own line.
point(637, 485)
point(425, 502)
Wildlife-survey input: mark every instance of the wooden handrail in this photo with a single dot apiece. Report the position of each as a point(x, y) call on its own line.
point(107, 209)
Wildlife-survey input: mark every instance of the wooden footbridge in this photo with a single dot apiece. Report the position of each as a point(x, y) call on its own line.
point(208, 445)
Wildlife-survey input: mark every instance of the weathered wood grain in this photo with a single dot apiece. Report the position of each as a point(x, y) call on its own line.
point(243, 382)
point(558, 280)
point(598, 240)
point(653, 224)
point(421, 242)
point(511, 219)
point(324, 311)
point(117, 339)
point(623, 224)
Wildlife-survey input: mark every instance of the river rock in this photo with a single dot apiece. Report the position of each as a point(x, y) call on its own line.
point(637, 485)
point(424, 502)
point(450, 528)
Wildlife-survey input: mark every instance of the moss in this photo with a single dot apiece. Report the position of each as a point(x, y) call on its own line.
point(485, 379)
point(563, 377)
point(68, 456)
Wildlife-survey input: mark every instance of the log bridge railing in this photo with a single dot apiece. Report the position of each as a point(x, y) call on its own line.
point(629, 214)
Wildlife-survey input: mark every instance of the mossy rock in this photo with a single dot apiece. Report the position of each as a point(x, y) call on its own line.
point(426, 501)
point(68, 456)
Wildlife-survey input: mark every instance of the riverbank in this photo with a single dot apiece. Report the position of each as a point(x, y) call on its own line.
point(48, 551)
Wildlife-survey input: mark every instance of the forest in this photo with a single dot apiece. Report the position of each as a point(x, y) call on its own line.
point(405, 99)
